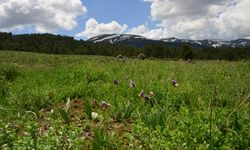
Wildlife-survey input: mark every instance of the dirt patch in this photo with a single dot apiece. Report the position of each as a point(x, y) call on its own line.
point(79, 118)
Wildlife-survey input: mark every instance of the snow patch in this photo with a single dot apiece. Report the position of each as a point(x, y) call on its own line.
point(246, 38)
point(198, 42)
point(243, 43)
point(107, 38)
point(215, 45)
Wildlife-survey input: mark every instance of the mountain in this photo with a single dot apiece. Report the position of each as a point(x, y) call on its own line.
point(140, 41)
point(113, 38)
point(123, 39)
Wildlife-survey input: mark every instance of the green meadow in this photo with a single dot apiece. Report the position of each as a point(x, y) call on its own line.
point(55, 102)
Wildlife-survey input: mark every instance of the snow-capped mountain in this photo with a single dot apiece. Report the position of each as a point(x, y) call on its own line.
point(113, 38)
point(212, 42)
point(140, 41)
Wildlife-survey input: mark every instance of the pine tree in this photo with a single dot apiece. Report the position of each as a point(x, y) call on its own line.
point(186, 53)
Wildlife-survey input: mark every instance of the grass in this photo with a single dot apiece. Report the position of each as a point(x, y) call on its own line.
point(208, 110)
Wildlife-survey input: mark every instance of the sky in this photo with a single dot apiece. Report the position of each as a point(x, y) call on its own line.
point(155, 19)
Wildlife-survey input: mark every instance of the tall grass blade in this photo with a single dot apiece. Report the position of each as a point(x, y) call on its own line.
point(88, 109)
point(64, 115)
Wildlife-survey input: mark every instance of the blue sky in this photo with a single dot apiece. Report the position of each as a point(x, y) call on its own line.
point(133, 13)
point(155, 19)
point(130, 12)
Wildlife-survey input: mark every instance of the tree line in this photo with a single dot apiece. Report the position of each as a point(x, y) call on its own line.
point(58, 44)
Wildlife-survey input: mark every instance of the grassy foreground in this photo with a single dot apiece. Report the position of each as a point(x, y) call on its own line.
point(55, 102)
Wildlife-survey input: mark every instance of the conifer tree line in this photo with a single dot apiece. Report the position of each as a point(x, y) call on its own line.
point(58, 44)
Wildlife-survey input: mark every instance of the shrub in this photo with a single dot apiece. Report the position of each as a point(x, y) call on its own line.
point(155, 119)
point(141, 56)
point(120, 58)
point(10, 74)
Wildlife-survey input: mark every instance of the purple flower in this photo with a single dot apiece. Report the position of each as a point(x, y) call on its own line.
point(131, 83)
point(141, 94)
point(115, 82)
point(174, 82)
point(105, 105)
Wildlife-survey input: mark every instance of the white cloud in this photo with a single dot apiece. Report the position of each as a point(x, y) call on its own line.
point(145, 31)
point(93, 28)
point(194, 29)
point(199, 19)
point(179, 9)
point(44, 15)
point(235, 21)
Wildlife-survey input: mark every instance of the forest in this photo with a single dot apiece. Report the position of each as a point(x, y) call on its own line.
point(60, 44)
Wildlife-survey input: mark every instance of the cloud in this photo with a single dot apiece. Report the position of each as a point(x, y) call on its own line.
point(235, 21)
point(179, 9)
point(93, 28)
point(43, 15)
point(145, 31)
point(196, 19)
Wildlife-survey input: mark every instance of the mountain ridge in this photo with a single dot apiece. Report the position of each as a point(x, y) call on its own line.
point(140, 41)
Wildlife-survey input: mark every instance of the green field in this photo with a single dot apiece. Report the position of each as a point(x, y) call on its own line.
point(46, 102)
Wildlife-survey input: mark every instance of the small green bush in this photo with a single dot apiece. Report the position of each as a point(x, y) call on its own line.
point(10, 74)
point(141, 56)
point(155, 119)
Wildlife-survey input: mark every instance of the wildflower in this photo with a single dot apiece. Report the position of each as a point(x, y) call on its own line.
point(131, 83)
point(105, 105)
point(115, 82)
point(94, 115)
point(95, 104)
point(151, 93)
point(141, 94)
point(51, 111)
point(174, 82)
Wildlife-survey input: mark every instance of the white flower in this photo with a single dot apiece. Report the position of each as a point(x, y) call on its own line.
point(131, 83)
point(151, 93)
point(94, 115)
